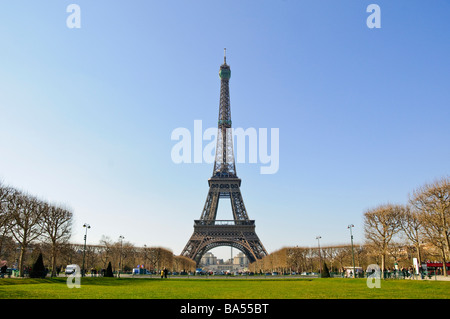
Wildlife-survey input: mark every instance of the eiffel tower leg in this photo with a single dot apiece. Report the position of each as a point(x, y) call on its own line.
point(237, 204)
point(211, 205)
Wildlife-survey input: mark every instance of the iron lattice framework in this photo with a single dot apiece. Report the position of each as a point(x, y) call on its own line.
point(224, 183)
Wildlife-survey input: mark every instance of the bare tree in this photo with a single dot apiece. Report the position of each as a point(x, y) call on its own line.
point(183, 264)
point(26, 220)
point(5, 218)
point(344, 257)
point(5, 193)
point(296, 258)
point(57, 227)
point(128, 255)
point(397, 250)
point(433, 203)
point(412, 227)
point(361, 256)
point(154, 257)
point(380, 225)
point(107, 253)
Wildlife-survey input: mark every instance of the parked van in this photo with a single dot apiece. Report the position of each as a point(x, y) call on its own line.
point(71, 269)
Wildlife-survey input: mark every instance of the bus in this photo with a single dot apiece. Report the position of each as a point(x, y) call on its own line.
point(435, 268)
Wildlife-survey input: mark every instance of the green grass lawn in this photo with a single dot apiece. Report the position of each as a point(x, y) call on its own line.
point(138, 288)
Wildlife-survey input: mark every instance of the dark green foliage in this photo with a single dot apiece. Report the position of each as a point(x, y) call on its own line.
point(109, 272)
point(325, 272)
point(38, 270)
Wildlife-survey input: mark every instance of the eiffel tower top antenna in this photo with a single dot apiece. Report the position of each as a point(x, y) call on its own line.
point(225, 56)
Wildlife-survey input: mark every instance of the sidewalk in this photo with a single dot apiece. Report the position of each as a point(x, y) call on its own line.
point(440, 277)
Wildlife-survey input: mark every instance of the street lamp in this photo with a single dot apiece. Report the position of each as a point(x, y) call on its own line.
point(87, 226)
point(145, 257)
point(320, 256)
point(353, 255)
point(120, 256)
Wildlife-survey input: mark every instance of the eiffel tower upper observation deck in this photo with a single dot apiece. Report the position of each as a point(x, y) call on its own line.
point(224, 183)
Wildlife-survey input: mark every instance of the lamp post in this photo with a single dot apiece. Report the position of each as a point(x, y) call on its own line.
point(145, 257)
point(231, 259)
point(87, 226)
point(353, 255)
point(320, 256)
point(120, 256)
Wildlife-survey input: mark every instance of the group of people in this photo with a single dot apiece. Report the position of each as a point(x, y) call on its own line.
point(403, 272)
point(388, 273)
point(164, 273)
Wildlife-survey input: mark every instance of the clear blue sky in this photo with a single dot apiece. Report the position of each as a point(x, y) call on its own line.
point(86, 114)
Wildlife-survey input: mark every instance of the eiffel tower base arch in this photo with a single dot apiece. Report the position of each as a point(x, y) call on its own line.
point(211, 234)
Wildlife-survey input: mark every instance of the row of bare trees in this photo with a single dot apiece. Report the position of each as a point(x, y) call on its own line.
point(150, 258)
point(123, 256)
point(310, 259)
point(423, 222)
point(339, 257)
point(394, 234)
point(27, 219)
point(29, 225)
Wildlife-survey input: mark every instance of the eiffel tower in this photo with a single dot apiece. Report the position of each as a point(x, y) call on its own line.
point(224, 183)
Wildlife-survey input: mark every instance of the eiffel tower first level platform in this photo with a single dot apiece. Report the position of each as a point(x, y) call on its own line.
point(239, 232)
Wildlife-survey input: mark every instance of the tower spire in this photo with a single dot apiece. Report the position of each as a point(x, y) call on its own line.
point(224, 162)
point(224, 55)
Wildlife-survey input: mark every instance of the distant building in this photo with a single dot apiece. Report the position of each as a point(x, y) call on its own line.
point(208, 259)
point(210, 262)
point(240, 260)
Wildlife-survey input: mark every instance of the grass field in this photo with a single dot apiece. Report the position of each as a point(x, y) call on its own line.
point(146, 288)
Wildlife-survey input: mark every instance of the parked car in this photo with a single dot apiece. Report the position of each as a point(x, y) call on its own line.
point(71, 269)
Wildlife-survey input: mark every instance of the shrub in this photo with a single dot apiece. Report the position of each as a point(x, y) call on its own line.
point(38, 270)
point(325, 272)
point(109, 272)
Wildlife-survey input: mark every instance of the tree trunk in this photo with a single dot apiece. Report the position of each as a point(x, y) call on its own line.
point(54, 260)
point(444, 263)
point(21, 260)
point(419, 255)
